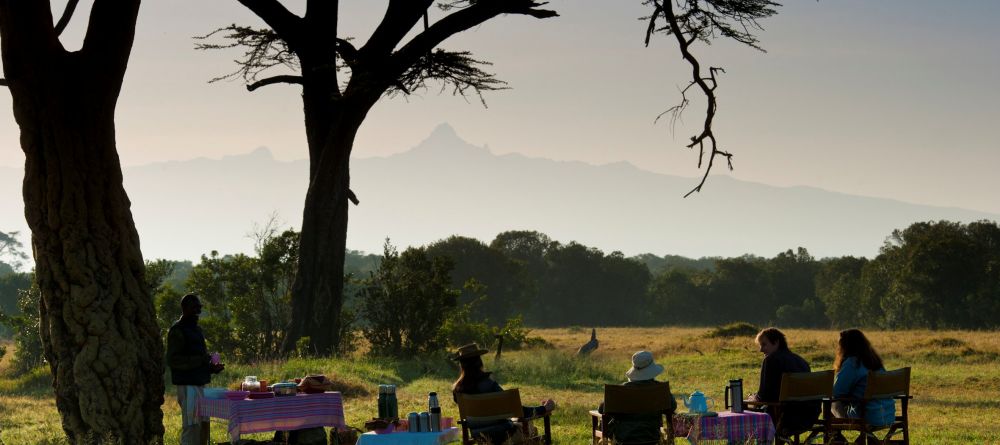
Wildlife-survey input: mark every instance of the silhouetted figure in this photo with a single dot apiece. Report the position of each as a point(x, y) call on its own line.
point(590, 346)
point(499, 345)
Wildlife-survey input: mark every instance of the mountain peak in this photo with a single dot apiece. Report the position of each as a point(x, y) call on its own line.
point(443, 140)
point(444, 131)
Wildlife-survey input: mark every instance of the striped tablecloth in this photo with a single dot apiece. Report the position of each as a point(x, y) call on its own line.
point(276, 414)
point(727, 426)
point(404, 438)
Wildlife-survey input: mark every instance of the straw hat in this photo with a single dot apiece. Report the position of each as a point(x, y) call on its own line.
point(467, 351)
point(643, 367)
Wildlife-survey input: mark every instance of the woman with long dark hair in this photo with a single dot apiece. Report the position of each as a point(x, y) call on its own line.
point(472, 379)
point(855, 359)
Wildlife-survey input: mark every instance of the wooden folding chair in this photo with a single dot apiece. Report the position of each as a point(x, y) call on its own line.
point(504, 405)
point(633, 399)
point(881, 385)
point(798, 388)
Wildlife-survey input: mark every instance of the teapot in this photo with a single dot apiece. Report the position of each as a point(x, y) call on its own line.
point(697, 402)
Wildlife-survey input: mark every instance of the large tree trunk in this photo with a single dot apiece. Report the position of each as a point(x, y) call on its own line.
point(318, 290)
point(98, 325)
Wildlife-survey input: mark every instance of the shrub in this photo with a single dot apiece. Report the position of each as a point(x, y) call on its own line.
point(737, 329)
point(28, 351)
point(404, 300)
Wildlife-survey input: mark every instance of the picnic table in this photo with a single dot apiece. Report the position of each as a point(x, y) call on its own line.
point(276, 414)
point(728, 426)
point(447, 435)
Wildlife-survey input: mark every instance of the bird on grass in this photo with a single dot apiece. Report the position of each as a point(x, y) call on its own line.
point(591, 345)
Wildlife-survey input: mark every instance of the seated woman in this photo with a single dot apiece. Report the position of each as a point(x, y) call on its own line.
point(778, 359)
point(473, 380)
point(639, 428)
point(855, 358)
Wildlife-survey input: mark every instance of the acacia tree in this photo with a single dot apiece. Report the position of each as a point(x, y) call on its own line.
point(97, 323)
point(388, 64)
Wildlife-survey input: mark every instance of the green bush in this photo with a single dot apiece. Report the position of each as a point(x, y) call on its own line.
point(406, 301)
point(738, 329)
point(28, 350)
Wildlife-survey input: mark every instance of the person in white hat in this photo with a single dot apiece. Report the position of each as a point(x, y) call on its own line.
point(640, 428)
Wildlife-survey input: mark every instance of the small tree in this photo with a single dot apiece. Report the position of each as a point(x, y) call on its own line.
point(405, 300)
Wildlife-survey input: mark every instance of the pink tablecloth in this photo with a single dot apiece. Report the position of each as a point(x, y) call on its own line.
point(726, 426)
point(276, 414)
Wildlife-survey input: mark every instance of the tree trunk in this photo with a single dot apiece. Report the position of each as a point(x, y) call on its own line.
point(318, 290)
point(98, 325)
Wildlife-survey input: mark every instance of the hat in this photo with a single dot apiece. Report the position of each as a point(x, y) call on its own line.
point(643, 367)
point(467, 351)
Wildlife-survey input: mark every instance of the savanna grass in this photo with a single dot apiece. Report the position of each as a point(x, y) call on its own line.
point(956, 381)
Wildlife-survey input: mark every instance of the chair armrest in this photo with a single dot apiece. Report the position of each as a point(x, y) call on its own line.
point(596, 413)
point(901, 397)
point(757, 403)
point(537, 416)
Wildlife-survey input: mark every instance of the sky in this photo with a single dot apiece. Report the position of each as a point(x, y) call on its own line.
point(887, 98)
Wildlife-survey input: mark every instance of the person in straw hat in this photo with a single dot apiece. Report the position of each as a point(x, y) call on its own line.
point(472, 379)
point(639, 428)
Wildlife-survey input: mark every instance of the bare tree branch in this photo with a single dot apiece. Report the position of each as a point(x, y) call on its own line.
point(3, 82)
point(400, 17)
point(66, 15)
point(273, 80)
point(728, 18)
point(476, 13)
point(279, 18)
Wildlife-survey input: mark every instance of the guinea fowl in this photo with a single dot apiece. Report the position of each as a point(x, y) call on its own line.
point(590, 346)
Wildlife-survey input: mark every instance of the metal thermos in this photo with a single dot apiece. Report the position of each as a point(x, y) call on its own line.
point(734, 395)
point(435, 412)
point(414, 421)
point(391, 403)
point(383, 411)
point(425, 422)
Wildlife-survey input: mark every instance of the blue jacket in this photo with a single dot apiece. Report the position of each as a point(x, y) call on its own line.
point(852, 380)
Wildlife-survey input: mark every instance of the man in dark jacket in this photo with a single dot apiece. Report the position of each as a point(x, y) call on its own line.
point(191, 368)
point(778, 359)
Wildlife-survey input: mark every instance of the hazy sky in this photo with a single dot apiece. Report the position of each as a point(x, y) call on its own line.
point(889, 98)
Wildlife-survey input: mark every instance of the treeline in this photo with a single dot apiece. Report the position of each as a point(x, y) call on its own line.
point(933, 275)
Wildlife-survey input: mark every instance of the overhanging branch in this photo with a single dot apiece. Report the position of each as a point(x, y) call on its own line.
point(273, 80)
point(66, 15)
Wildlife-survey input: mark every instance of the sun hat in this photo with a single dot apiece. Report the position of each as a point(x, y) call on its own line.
point(643, 367)
point(467, 351)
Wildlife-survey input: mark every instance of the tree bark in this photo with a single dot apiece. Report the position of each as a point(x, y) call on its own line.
point(98, 324)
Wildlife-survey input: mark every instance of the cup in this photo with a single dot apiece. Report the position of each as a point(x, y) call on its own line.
point(447, 422)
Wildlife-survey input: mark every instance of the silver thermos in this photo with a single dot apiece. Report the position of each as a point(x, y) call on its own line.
point(414, 420)
point(734, 395)
point(425, 422)
point(435, 411)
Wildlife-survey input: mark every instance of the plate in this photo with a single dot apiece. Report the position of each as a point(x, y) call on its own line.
point(236, 395)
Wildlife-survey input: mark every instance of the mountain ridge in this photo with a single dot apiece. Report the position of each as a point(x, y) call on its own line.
point(445, 186)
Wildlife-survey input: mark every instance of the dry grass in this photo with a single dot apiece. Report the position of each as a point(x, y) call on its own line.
point(956, 381)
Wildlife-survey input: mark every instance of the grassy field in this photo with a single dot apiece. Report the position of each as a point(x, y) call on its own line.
point(956, 380)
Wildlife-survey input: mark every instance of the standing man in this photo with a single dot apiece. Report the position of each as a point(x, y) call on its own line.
point(191, 368)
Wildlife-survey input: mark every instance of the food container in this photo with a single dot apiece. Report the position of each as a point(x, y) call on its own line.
point(215, 393)
point(285, 389)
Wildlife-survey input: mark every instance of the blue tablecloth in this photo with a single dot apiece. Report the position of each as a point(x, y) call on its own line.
point(402, 438)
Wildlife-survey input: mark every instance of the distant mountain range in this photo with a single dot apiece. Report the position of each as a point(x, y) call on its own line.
point(445, 186)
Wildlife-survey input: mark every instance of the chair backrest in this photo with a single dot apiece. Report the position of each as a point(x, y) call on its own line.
point(636, 399)
point(803, 386)
point(490, 406)
point(887, 384)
